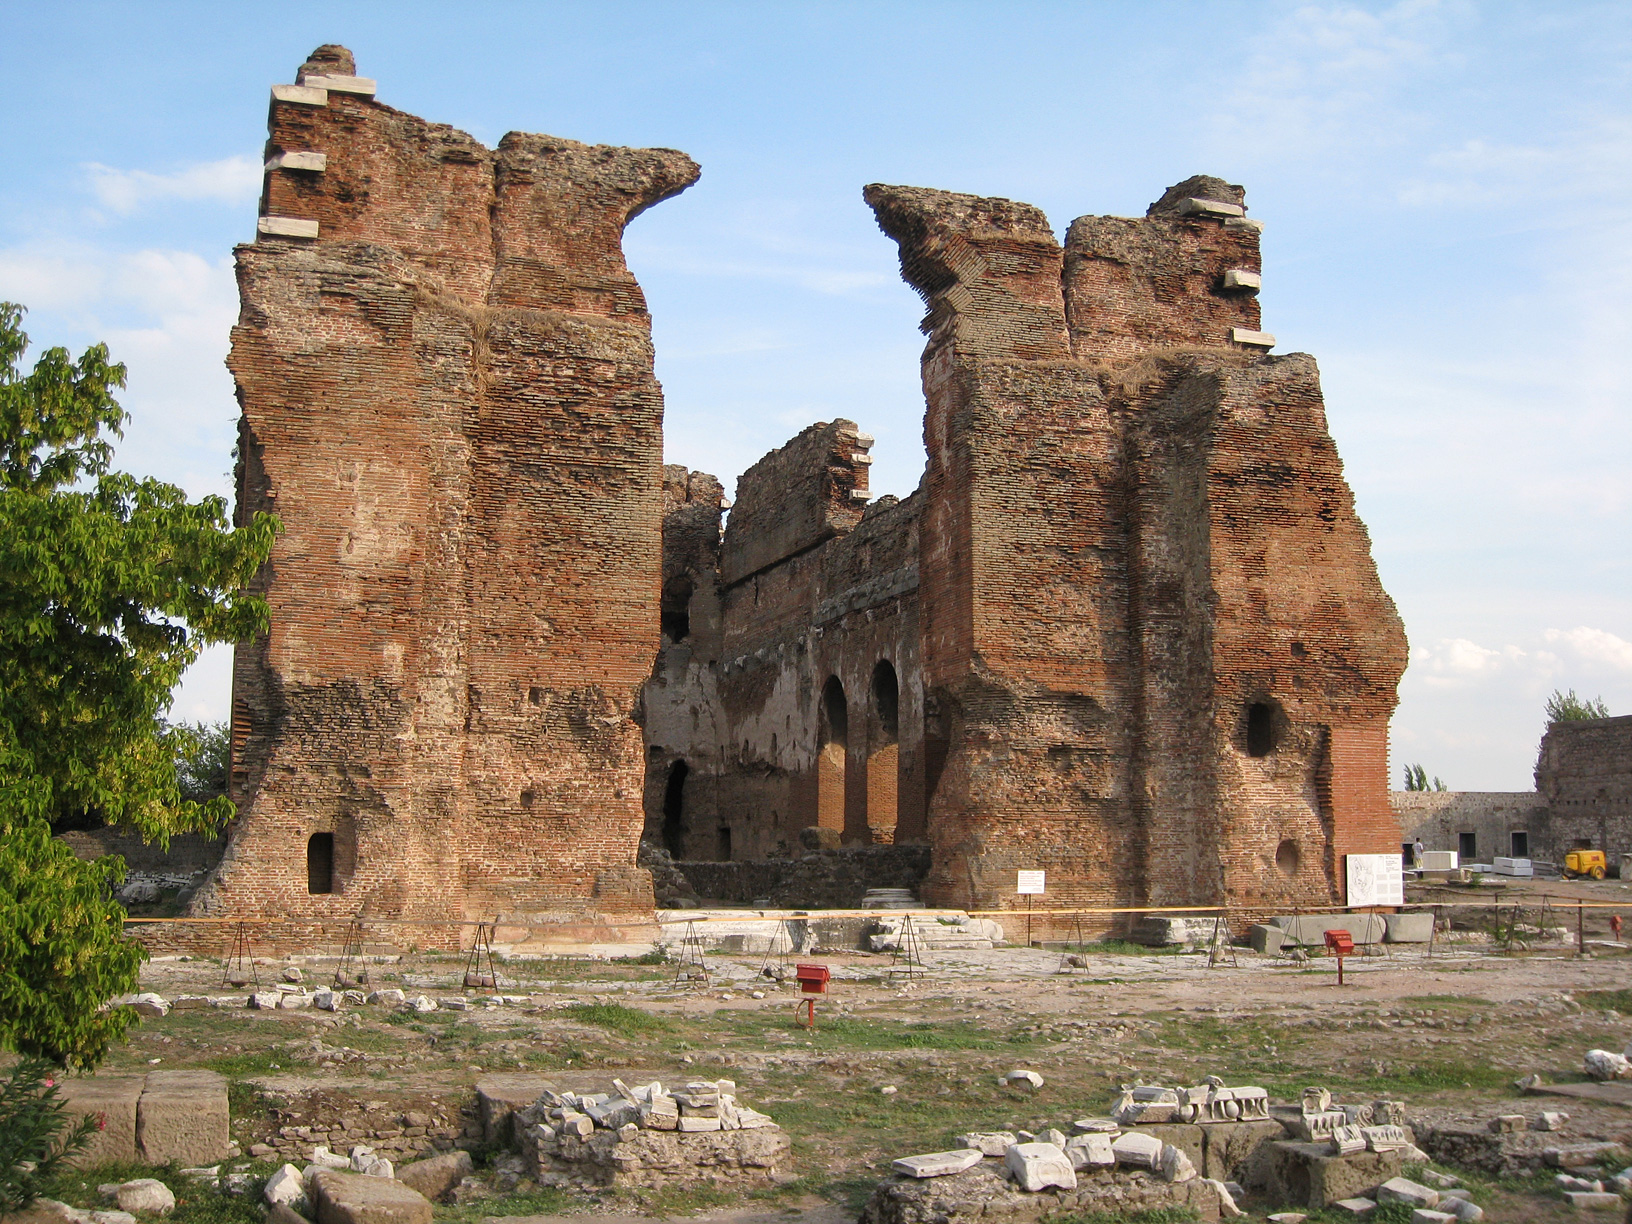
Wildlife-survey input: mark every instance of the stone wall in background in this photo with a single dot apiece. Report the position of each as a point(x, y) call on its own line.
point(1506, 824)
point(1584, 778)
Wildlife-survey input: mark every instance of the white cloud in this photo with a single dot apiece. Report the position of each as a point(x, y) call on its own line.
point(1325, 76)
point(1587, 162)
point(232, 180)
point(1594, 646)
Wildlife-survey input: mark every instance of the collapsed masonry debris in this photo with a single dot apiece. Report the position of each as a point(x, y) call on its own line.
point(646, 1135)
point(1182, 1147)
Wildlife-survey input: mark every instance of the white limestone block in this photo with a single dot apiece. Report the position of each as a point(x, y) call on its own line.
point(1134, 1148)
point(1039, 1166)
point(1254, 339)
point(938, 1164)
point(1194, 207)
point(1423, 1215)
point(989, 1143)
point(294, 160)
point(1091, 1150)
point(1607, 1065)
point(287, 227)
point(1586, 1200)
point(343, 84)
point(1240, 278)
point(1175, 1165)
point(1244, 223)
point(288, 1187)
point(1404, 1190)
point(303, 95)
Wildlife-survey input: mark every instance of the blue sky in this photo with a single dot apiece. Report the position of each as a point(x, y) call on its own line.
point(1447, 189)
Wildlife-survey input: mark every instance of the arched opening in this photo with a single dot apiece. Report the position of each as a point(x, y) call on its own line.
point(320, 863)
point(1288, 857)
point(674, 608)
point(884, 762)
point(1262, 731)
point(835, 743)
point(674, 809)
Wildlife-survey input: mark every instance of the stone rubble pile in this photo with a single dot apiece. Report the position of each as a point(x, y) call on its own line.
point(1094, 1164)
point(648, 1134)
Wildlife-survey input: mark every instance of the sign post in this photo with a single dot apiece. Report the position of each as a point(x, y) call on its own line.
point(1030, 884)
point(1374, 879)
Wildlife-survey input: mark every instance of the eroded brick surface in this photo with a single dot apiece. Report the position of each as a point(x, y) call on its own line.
point(448, 398)
point(1138, 635)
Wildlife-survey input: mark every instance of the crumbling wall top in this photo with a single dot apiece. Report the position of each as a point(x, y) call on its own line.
point(807, 491)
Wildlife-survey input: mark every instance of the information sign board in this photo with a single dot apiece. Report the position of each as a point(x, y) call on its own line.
point(1374, 879)
point(1030, 883)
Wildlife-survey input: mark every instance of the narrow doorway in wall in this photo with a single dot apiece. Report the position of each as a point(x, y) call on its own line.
point(884, 762)
point(1467, 848)
point(320, 863)
point(1520, 843)
point(674, 809)
point(725, 843)
point(830, 762)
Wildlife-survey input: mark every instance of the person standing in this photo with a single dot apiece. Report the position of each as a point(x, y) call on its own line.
point(1417, 852)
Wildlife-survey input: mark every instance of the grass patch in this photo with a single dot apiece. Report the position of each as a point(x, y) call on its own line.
point(615, 1017)
point(1606, 1000)
point(250, 1062)
point(547, 1200)
point(673, 1200)
point(1124, 947)
point(1155, 1215)
point(195, 1204)
point(1446, 1000)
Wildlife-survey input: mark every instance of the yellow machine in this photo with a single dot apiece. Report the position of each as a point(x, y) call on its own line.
point(1585, 863)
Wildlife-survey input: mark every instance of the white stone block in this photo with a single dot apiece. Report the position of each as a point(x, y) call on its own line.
point(1425, 1215)
point(1174, 1165)
point(150, 1196)
point(288, 1187)
point(297, 161)
point(1194, 207)
point(1040, 1166)
point(1240, 278)
point(1253, 339)
point(1020, 1078)
point(343, 84)
point(1404, 1190)
point(1356, 1206)
point(1138, 1149)
point(1090, 1151)
point(988, 1143)
point(1244, 223)
point(1607, 1065)
point(1586, 1200)
point(287, 227)
point(699, 1124)
point(938, 1164)
point(859, 495)
point(303, 95)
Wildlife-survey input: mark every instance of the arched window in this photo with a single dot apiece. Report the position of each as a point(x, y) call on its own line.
point(830, 764)
point(320, 863)
point(675, 608)
point(674, 809)
point(1263, 730)
point(884, 759)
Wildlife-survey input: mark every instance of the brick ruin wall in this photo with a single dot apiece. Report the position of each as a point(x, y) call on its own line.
point(1138, 636)
point(1161, 659)
point(1584, 780)
point(786, 701)
point(445, 373)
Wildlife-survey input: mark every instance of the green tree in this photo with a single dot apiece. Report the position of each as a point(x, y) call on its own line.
point(1416, 779)
point(203, 754)
point(109, 587)
point(1567, 707)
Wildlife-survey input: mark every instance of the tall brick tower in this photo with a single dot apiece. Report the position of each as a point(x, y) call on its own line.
point(1160, 660)
point(445, 371)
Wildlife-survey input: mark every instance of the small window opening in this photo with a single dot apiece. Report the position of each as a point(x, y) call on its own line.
point(1260, 729)
point(675, 608)
point(535, 695)
point(528, 798)
point(887, 699)
point(1520, 843)
point(1467, 847)
point(320, 863)
point(674, 808)
point(1287, 856)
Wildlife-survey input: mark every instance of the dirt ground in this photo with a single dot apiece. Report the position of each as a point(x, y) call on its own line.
point(1447, 1033)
